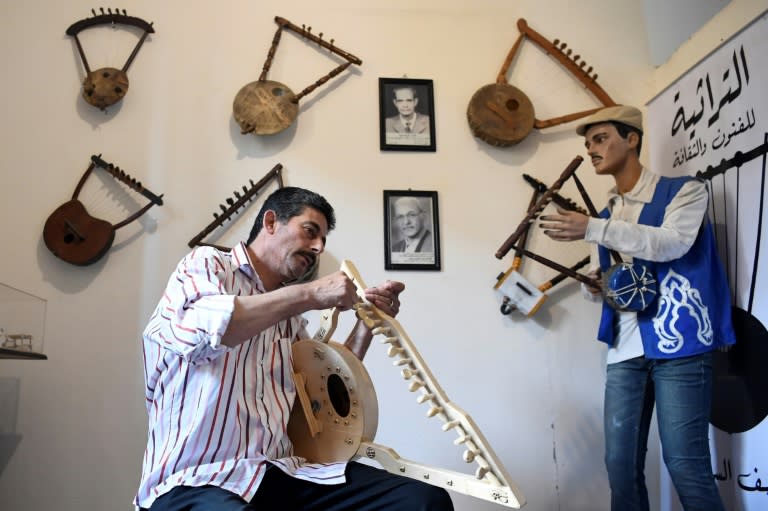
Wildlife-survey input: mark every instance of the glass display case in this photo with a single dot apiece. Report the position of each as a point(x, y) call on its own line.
point(22, 324)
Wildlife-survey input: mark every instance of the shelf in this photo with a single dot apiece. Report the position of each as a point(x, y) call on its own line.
point(10, 353)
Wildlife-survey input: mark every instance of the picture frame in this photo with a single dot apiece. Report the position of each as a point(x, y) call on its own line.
point(411, 230)
point(406, 115)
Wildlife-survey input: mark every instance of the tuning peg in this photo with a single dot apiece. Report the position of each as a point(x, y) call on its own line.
point(563, 46)
point(402, 361)
point(94, 12)
point(594, 77)
point(215, 215)
point(424, 398)
point(319, 39)
point(469, 455)
point(223, 208)
point(393, 350)
point(407, 373)
point(576, 57)
point(450, 425)
point(481, 471)
point(556, 42)
point(237, 194)
point(434, 410)
point(230, 201)
point(582, 64)
point(415, 385)
point(568, 52)
point(125, 13)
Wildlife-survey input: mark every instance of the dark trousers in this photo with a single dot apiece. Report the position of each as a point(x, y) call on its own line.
point(367, 489)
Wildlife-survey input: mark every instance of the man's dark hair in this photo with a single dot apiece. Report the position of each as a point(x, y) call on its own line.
point(289, 202)
point(624, 131)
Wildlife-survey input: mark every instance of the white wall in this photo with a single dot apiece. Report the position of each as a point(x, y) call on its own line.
point(533, 385)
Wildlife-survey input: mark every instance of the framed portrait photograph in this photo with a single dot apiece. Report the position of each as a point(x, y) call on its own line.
point(406, 115)
point(411, 231)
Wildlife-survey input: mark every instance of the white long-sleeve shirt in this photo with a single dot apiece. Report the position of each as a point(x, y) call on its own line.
point(621, 232)
point(217, 415)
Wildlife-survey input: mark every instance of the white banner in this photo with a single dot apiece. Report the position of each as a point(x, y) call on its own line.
point(713, 122)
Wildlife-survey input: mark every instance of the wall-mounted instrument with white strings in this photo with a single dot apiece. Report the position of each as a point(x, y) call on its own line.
point(266, 107)
point(108, 85)
point(75, 236)
point(502, 115)
point(336, 414)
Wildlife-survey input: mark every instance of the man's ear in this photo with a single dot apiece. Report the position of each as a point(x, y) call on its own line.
point(633, 139)
point(270, 221)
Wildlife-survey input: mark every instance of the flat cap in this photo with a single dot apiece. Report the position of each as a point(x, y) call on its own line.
point(628, 115)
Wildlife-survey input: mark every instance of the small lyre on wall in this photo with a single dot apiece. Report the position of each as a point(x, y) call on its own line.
point(502, 115)
point(75, 236)
point(266, 107)
point(106, 86)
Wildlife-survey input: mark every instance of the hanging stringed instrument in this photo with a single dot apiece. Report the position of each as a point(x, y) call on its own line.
point(625, 286)
point(517, 292)
point(336, 414)
point(75, 236)
point(234, 205)
point(106, 86)
point(266, 107)
point(502, 115)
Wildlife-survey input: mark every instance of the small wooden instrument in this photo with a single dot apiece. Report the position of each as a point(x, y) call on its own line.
point(626, 286)
point(235, 204)
point(517, 292)
point(75, 236)
point(266, 107)
point(107, 86)
point(502, 115)
point(336, 415)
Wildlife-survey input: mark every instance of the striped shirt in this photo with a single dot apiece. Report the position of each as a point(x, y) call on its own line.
point(217, 415)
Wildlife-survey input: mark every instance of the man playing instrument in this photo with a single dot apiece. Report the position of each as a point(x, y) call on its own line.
point(661, 355)
point(219, 376)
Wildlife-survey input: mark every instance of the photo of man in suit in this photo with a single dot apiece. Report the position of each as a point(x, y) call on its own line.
point(409, 126)
point(410, 218)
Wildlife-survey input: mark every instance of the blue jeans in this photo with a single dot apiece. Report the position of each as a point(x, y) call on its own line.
point(681, 389)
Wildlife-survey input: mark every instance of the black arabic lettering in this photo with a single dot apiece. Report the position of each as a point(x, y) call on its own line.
point(758, 486)
point(732, 93)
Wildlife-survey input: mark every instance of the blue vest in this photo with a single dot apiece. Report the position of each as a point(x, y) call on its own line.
point(692, 312)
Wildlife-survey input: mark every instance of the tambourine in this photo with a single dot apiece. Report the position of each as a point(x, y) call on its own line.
point(629, 287)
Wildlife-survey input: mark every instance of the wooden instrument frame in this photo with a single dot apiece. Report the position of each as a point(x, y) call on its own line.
point(514, 107)
point(234, 206)
point(490, 481)
point(118, 76)
point(88, 242)
point(266, 107)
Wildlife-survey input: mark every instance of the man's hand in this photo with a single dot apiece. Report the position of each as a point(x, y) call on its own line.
point(335, 290)
point(565, 226)
point(594, 275)
point(386, 296)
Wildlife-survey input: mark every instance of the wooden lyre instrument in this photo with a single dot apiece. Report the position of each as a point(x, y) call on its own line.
point(518, 293)
point(626, 286)
point(75, 236)
point(108, 85)
point(502, 115)
point(234, 205)
point(266, 107)
point(336, 414)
